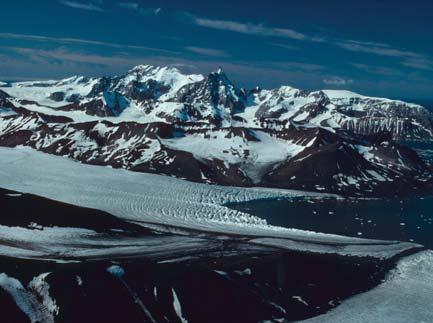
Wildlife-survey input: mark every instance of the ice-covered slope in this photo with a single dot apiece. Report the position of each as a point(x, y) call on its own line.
point(404, 297)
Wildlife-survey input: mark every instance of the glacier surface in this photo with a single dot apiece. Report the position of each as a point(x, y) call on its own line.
point(155, 200)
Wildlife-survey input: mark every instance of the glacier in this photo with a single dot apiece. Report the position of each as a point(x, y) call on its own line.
point(159, 202)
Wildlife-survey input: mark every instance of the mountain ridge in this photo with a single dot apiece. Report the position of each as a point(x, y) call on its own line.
point(206, 129)
point(165, 94)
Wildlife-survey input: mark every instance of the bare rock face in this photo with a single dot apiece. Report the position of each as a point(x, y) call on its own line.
point(215, 93)
point(3, 95)
point(205, 129)
point(57, 96)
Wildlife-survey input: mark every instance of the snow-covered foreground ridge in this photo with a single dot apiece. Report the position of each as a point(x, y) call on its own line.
point(405, 296)
point(156, 199)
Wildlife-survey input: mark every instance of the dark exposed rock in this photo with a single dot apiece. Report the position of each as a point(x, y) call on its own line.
point(217, 91)
point(3, 95)
point(112, 105)
point(73, 98)
point(57, 96)
point(150, 90)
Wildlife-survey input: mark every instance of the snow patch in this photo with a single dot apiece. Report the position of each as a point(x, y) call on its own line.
point(34, 300)
point(178, 307)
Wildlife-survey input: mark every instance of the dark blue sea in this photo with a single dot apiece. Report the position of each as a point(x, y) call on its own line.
point(408, 219)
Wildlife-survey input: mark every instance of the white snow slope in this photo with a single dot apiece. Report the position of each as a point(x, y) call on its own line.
point(406, 296)
point(35, 300)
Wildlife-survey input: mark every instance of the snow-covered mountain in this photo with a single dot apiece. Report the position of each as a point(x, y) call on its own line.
point(206, 129)
point(151, 94)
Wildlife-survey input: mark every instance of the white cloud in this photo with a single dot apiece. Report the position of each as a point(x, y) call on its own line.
point(284, 46)
point(419, 63)
point(337, 81)
point(81, 5)
point(252, 29)
point(138, 8)
point(129, 5)
point(78, 41)
point(65, 55)
point(380, 70)
point(375, 48)
point(297, 66)
point(207, 51)
point(407, 58)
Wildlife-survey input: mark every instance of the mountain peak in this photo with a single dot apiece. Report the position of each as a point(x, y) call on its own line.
point(219, 73)
point(152, 69)
point(219, 76)
point(142, 67)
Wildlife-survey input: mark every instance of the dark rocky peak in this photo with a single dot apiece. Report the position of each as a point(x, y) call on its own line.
point(215, 90)
point(145, 91)
point(3, 95)
point(57, 96)
point(103, 85)
point(219, 86)
point(5, 101)
point(220, 76)
point(73, 98)
point(115, 102)
point(321, 97)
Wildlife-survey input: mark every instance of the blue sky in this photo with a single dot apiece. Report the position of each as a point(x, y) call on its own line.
point(375, 47)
